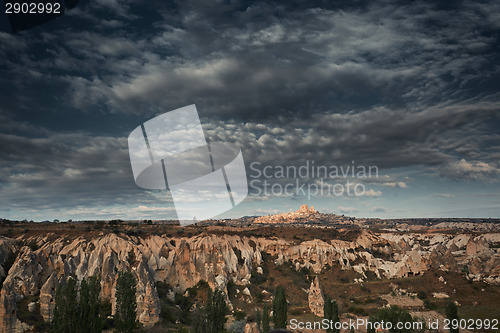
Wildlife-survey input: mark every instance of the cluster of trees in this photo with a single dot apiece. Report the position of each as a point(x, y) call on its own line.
point(78, 307)
point(78, 314)
point(280, 308)
point(279, 317)
point(212, 317)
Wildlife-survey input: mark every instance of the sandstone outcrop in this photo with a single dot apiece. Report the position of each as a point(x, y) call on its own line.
point(251, 328)
point(316, 299)
point(475, 246)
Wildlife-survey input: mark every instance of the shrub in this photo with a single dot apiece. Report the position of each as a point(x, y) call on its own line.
point(357, 310)
point(237, 326)
point(429, 305)
point(394, 315)
point(239, 315)
point(33, 246)
point(33, 319)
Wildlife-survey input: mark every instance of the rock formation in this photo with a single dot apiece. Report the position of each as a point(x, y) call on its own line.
point(316, 299)
point(217, 258)
point(251, 328)
point(476, 245)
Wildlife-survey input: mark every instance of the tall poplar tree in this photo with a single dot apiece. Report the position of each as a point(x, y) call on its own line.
point(331, 312)
point(126, 304)
point(280, 308)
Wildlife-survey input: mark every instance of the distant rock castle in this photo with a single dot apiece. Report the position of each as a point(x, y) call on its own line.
point(303, 213)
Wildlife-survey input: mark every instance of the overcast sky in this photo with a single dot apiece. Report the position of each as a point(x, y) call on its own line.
point(412, 88)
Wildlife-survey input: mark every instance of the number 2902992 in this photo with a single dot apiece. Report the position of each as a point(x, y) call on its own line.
point(32, 8)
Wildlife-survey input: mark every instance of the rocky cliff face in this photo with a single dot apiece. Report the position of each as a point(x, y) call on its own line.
point(40, 272)
point(6, 248)
point(183, 261)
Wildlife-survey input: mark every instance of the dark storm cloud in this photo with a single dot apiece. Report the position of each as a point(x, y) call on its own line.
point(379, 83)
point(280, 60)
point(302, 62)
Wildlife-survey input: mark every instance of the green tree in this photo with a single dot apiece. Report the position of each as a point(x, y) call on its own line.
point(280, 308)
point(331, 312)
point(212, 317)
point(198, 321)
point(126, 305)
point(215, 311)
point(90, 306)
point(105, 311)
point(265, 319)
point(66, 308)
point(71, 315)
point(258, 320)
point(451, 314)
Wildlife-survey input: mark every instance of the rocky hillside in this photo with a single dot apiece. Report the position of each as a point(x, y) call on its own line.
point(40, 263)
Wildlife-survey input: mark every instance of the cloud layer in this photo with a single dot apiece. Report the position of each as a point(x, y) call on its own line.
point(379, 83)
